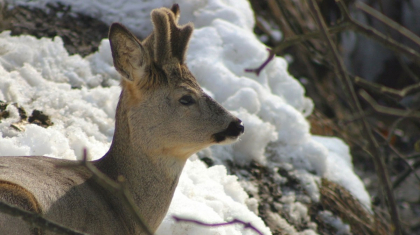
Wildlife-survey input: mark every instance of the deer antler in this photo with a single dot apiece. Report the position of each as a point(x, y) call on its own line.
point(170, 39)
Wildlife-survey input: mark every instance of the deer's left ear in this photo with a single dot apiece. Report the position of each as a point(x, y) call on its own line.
point(130, 57)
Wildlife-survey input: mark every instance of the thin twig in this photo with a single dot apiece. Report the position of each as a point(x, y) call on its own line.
point(37, 220)
point(372, 147)
point(387, 90)
point(118, 188)
point(246, 225)
point(407, 69)
point(389, 22)
point(413, 156)
point(400, 156)
point(393, 128)
point(378, 36)
point(405, 174)
point(258, 70)
point(293, 40)
point(387, 110)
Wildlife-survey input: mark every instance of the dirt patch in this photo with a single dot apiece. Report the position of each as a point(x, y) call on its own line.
point(81, 34)
point(37, 117)
point(40, 119)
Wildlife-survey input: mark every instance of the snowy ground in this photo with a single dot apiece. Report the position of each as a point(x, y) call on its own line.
point(39, 74)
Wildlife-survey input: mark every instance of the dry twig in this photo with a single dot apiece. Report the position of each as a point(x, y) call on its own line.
point(406, 173)
point(37, 220)
point(387, 110)
point(372, 147)
point(378, 36)
point(117, 188)
point(387, 90)
point(392, 24)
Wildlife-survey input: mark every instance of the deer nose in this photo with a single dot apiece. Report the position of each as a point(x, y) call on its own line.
point(240, 125)
point(235, 128)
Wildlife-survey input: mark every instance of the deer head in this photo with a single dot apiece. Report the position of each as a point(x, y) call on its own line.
point(162, 106)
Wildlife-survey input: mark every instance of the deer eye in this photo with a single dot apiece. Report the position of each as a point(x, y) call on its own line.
point(187, 100)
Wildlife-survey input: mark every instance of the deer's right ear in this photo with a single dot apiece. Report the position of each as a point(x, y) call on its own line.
point(129, 55)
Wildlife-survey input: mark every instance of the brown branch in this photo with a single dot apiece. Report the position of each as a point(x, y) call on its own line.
point(378, 36)
point(372, 147)
point(387, 21)
point(405, 174)
point(400, 156)
point(413, 155)
point(246, 225)
point(293, 40)
point(392, 24)
point(387, 90)
point(393, 128)
point(387, 110)
point(258, 70)
point(119, 188)
point(36, 220)
point(350, 24)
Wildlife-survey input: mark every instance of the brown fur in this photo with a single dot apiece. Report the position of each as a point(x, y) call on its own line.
point(162, 117)
point(17, 195)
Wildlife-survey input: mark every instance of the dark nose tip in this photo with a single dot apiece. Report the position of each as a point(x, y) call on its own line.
point(235, 128)
point(240, 125)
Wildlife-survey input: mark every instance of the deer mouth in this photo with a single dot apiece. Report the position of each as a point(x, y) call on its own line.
point(232, 132)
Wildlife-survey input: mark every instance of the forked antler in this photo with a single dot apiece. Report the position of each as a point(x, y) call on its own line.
point(170, 39)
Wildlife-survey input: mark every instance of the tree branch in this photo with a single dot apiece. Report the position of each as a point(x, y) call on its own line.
point(372, 147)
point(387, 110)
point(390, 23)
point(387, 90)
point(119, 188)
point(293, 40)
point(37, 220)
point(378, 36)
point(406, 173)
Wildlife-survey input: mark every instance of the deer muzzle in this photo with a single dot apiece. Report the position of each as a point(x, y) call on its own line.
point(232, 132)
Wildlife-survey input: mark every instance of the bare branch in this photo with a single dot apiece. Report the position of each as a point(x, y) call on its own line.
point(393, 128)
point(372, 147)
point(378, 36)
point(386, 90)
point(293, 40)
point(37, 220)
point(402, 157)
point(406, 173)
point(388, 110)
point(258, 70)
point(392, 24)
point(117, 188)
point(246, 225)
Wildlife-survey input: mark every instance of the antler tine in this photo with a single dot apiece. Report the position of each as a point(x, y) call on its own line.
point(170, 39)
point(162, 47)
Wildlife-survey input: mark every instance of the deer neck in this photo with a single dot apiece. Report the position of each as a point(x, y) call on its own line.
point(151, 179)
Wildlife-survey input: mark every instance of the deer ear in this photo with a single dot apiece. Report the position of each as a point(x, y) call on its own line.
point(130, 57)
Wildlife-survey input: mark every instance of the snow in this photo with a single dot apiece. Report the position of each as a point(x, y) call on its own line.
point(39, 74)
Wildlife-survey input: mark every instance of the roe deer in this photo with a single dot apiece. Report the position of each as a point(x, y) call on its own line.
point(162, 117)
